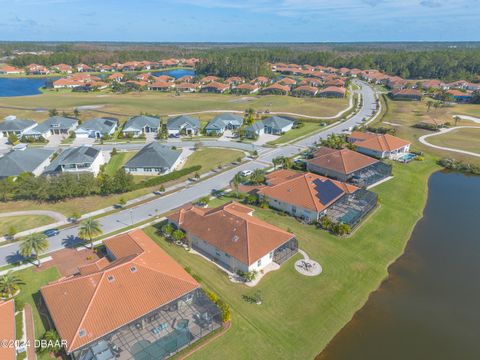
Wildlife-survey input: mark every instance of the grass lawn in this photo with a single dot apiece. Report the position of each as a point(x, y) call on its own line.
point(464, 139)
point(210, 158)
point(117, 161)
point(30, 291)
point(404, 114)
point(23, 222)
point(307, 129)
point(166, 104)
point(300, 315)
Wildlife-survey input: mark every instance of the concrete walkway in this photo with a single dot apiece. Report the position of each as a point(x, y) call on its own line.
point(470, 118)
point(423, 140)
point(307, 266)
point(53, 214)
point(30, 332)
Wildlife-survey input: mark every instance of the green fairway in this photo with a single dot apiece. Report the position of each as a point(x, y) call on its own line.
point(300, 315)
point(117, 161)
point(463, 139)
point(307, 129)
point(21, 223)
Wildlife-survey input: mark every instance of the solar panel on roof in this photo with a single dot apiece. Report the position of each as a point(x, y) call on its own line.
point(326, 191)
point(109, 123)
point(91, 152)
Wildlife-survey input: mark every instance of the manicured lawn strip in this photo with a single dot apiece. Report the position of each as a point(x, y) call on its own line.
point(300, 315)
point(463, 139)
point(117, 161)
point(19, 325)
point(23, 222)
point(307, 129)
point(30, 292)
point(210, 158)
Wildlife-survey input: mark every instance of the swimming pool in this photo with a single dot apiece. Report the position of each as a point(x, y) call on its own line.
point(407, 157)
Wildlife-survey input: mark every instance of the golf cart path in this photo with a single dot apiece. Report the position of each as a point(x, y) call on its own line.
point(53, 214)
point(423, 140)
point(466, 117)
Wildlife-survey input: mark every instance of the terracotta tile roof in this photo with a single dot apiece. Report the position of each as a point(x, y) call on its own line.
point(306, 88)
point(301, 189)
point(455, 92)
point(217, 85)
point(231, 229)
point(344, 161)
point(134, 285)
point(288, 81)
point(162, 84)
point(277, 86)
point(250, 87)
point(187, 85)
point(7, 329)
point(407, 92)
point(116, 76)
point(164, 78)
point(377, 142)
point(335, 89)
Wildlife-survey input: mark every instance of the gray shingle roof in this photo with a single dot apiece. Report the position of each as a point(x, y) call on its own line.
point(139, 122)
point(255, 127)
point(222, 120)
point(179, 122)
point(18, 161)
point(74, 155)
point(55, 123)
point(16, 124)
point(277, 122)
point(102, 125)
point(154, 155)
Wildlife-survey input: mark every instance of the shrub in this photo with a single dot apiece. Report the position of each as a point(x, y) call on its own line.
point(157, 180)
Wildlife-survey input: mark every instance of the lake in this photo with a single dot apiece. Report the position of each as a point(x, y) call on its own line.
point(428, 308)
point(31, 86)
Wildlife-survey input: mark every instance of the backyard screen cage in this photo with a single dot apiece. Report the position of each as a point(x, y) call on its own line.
point(371, 174)
point(352, 208)
point(286, 251)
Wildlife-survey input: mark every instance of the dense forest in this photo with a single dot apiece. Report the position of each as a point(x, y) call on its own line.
point(429, 60)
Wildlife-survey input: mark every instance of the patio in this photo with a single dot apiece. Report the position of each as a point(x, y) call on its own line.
point(351, 209)
point(160, 334)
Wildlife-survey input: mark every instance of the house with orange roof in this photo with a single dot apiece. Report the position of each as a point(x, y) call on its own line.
point(406, 94)
point(185, 79)
point(232, 237)
point(187, 87)
point(276, 89)
point(36, 69)
point(348, 166)
point(164, 78)
point(460, 96)
point(381, 146)
point(62, 68)
point(234, 80)
point(137, 303)
point(246, 89)
point(208, 79)
point(7, 330)
point(287, 81)
point(161, 86)
point(118, 77)
point(215, 87)
point(260, 80)
point(7, 69)
point(83, 68)
point(305, 90)
point(333, 92)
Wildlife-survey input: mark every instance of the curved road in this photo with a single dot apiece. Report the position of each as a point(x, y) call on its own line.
point(149, 210)
point(423, 140)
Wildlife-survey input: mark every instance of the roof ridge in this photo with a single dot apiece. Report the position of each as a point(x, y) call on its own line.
point(309, 192)
point(164, 273)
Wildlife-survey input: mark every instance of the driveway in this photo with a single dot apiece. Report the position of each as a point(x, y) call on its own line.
point(265, 138)
point(83, 141)
point(4, 147)
point(54, 141)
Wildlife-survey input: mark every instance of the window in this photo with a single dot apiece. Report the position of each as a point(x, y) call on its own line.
point(259, 262)
point(271, 255)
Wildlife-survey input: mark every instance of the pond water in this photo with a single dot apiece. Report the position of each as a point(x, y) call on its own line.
point(428, 308)
point(31, 86)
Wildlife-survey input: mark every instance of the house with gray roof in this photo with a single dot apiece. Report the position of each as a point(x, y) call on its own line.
point(183, 124)
point(277, 125)
point(77, 159)
point(11, 125)
point(54, 125)
point(255, 130)
point(139, 125)
point(97, 128)
point(24, 160)
point(223, 122)
point(153, 159)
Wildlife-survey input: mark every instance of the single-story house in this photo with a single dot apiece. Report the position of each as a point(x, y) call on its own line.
point(209, 79)
point(305, 90)
point(23, 160)
point(277, 125)
point(246, 89)
point(215, 87)
point(187, 87)
point(62, 68)
point(161, 86)
point(117, 77)
point(407, 94)
point(183, 124)
point(153, 159)
point(276, 89)
point(12, 125)
point(7, 330)
point(333, 91)
point(7, 69)
point(432, 123)
point(55, 125)
point(223, 122)
point(260, 80)
point(233, 237)
point(138, 125)
point(303, 195)
point(379, 145)
point(135, 303)
point(77, 159)
point(461, 96)
point(255, 130)
point(97, 128)
point(287, 81)
point(348, 165)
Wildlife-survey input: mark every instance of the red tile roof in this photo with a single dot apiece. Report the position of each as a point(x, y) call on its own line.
point(7, 329)
point(344, 161)
point(143, 280)
point(377, 142)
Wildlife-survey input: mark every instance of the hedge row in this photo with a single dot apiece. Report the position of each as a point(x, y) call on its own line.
point(157, 180)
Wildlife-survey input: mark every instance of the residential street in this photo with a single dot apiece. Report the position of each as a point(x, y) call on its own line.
point(145, 211)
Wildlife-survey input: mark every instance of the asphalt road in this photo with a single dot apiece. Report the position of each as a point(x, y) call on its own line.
point(148, 210)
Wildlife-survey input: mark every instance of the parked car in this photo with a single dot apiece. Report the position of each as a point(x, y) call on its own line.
point(246, 172)
point(51, 232)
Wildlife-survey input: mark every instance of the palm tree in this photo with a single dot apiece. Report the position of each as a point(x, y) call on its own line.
point(276, 161)
point(178, 235)
point(257, 176)
point(34, 243)
point(90, 229)
point(236, 181)
point(456, 118)
point(10, 284)
point(287, 163)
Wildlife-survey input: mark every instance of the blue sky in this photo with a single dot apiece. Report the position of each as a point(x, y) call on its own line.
point(240, 21)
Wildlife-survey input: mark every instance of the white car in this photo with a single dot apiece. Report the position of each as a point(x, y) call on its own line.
point(246, 172)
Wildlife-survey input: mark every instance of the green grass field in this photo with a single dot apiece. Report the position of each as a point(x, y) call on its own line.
point(300, 315)
point(124, 105)
point(21, 223)
point(117, 161)
point(210, 158)
point(463, 139)
point(307, 129)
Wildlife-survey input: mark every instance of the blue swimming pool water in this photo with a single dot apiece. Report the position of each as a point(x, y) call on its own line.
point(407, 157)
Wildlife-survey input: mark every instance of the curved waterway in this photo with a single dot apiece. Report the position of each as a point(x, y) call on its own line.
point(31, 86)
point(429, 307)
